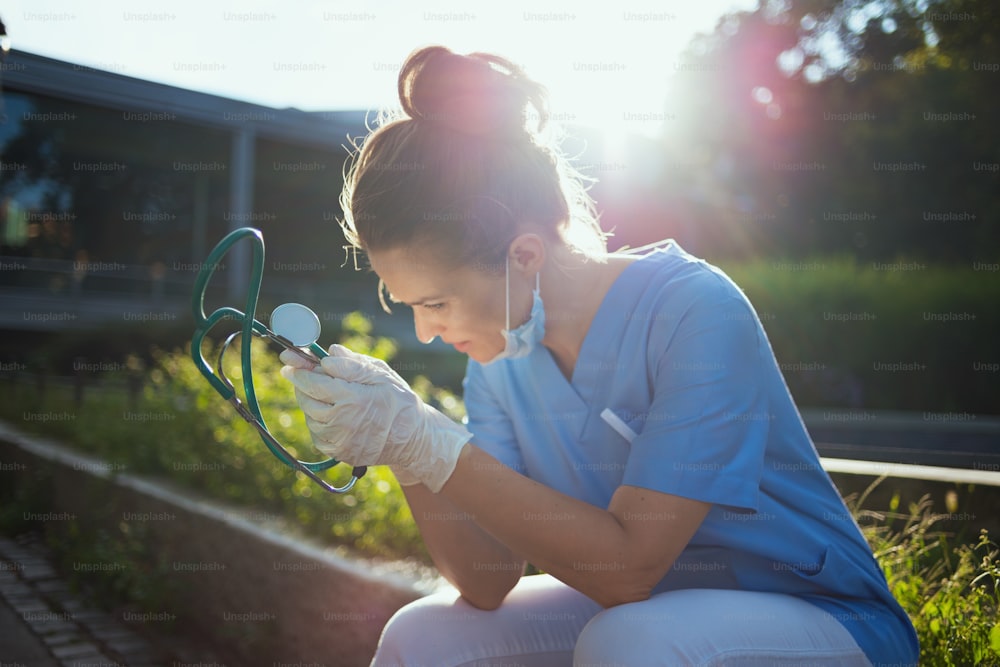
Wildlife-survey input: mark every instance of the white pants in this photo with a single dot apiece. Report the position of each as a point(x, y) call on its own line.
point(544, 622)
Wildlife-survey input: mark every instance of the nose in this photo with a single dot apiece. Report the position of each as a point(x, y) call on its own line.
point(426, 329)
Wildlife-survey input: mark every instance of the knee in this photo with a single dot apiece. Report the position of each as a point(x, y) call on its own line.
point(400, 638)
point(625, 635)
point(413, 635)
point(601, 639)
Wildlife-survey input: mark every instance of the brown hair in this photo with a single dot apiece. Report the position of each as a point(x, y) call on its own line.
point(468, 163)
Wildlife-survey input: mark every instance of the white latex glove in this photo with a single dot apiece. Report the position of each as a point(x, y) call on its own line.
point(298, 362)
point(360, 411)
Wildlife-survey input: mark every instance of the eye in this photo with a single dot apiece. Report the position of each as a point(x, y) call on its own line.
point(434, 306)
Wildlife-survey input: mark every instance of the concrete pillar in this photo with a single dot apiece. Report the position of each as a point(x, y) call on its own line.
point(241, 173)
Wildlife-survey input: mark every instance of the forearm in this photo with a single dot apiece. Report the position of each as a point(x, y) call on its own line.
point(580, 544)
point(480, 567)
point(613, 555)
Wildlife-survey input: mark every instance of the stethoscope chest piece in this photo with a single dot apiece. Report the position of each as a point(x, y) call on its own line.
point(296, 323)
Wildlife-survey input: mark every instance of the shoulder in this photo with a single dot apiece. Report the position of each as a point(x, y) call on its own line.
point(675, 284)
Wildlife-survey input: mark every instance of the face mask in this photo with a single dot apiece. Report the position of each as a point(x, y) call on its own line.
point(522, 340)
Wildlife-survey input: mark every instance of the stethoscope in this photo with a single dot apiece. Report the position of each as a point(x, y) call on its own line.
point(293, 326)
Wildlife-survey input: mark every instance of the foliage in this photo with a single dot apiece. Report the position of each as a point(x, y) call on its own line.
point(837, 326)
point(114, 566)
point(951, 593)
point(838, 126)
point(183, 430)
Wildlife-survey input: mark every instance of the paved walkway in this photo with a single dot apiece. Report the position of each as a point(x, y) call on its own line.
point(44, 624)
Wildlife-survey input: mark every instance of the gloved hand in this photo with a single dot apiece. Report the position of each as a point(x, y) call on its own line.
point(360, 411)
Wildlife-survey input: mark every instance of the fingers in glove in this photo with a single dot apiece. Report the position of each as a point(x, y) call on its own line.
point(350, 369)
point(318, 385)
point(320, 412)
point(325, 441)
point(290, 358)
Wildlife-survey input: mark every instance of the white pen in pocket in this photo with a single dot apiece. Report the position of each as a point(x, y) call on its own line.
point(615, 422)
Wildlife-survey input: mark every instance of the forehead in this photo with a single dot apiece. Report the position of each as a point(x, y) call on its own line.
point(414, 277)
point(410, 275)
point(402, 262)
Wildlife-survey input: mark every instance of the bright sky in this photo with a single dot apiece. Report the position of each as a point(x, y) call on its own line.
point(605, 65)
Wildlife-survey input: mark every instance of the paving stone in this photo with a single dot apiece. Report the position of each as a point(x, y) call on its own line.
point(90, 615)
point(105, 626)
point(97, 660)
point(34, 562)
point(26, 602)
point(73, 604)
point(37, 574)
point(15, 589)
point(16, 554)
point(77, 650)
point(30, 606)
point(53, 587)
point(47, 625)
point(112, 633)
point(53, 626)
point(133, 644)
point(21, 564)
point(62, 638)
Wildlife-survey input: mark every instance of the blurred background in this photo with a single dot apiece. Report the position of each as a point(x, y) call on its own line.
point(840, 159)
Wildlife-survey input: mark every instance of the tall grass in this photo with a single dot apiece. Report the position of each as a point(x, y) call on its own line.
point(951, 592)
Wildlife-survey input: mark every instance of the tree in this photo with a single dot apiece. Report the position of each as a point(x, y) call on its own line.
point(817, 126)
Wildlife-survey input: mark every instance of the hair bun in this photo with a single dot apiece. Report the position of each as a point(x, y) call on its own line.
point(477, 94)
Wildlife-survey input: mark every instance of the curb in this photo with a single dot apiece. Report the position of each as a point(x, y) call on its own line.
point(74, 634)
point(326, 610)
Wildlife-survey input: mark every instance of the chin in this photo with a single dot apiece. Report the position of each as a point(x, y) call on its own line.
point(481, 358)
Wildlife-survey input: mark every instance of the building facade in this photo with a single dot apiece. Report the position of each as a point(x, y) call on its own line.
point(114, 189)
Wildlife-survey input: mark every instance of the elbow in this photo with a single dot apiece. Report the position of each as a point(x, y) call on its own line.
point(486, 593)
point(636, 587)
point(620, 597)
point(485, 602)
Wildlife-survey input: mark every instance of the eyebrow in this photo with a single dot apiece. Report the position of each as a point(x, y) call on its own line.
point(418, 302)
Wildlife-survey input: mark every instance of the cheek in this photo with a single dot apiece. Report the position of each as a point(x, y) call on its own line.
point(479, 319)
point(476, 320)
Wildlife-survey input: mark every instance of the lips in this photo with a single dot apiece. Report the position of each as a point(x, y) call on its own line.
point(462, 347)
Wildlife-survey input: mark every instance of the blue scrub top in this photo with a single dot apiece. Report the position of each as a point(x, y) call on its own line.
point(679, 355)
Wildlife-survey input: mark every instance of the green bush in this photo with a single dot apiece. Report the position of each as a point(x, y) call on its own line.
point(837, 327)
point(181, 429)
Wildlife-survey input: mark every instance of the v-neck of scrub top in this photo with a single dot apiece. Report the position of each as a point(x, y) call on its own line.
point(577, 393)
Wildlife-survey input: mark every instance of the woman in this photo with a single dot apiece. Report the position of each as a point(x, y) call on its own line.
point(629, 430)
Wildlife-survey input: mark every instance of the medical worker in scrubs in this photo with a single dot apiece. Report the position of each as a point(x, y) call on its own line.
point(629, 431)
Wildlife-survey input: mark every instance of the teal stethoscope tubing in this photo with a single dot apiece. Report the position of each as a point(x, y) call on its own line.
point(249, 326)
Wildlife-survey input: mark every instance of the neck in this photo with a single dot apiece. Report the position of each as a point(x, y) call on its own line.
point(573, 289)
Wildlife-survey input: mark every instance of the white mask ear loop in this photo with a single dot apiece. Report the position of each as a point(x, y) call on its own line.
point(507, 273)
point(538, 287)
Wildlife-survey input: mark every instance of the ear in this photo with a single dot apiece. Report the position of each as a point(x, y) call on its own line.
point(527, 254)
